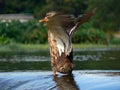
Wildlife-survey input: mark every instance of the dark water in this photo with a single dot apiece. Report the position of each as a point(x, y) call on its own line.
point(95, 69)
point(100, 59)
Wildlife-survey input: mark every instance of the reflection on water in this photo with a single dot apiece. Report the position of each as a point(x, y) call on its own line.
point(66, 82)
point(43, 80)
point(79, 55)
point(24, 56)
point(84, 60)
point(97, 55)
point(100, 71)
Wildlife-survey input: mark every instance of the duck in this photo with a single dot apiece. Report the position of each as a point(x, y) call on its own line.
point(61, 28)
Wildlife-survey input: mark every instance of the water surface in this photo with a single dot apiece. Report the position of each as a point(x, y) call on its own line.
point(95, 69)
point(43, 80)
point(98, 59)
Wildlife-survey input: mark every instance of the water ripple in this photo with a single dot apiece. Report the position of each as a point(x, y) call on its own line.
point(43, 80)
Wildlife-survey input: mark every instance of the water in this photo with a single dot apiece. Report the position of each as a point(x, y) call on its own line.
point(43, 80)
point(102, 59)
point(95, 69)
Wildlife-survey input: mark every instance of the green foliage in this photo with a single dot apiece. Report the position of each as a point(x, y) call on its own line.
point(28, 32)
point(4, 40)
point(107, 15)
point(87, 34)
point(33, 32)
point(40, 7)
point(78, 6)
point(115, 41)
point(22, 6)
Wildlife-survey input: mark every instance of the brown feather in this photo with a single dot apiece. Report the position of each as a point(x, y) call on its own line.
point(61, 29)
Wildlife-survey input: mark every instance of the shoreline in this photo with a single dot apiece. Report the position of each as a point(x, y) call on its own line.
point(45, 47)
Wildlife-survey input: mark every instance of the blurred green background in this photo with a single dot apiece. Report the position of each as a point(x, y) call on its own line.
point(103, 28)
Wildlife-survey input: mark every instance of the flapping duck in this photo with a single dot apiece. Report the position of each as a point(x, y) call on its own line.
point(61, 28)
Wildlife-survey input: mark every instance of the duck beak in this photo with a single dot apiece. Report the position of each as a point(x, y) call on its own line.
point(43, 20)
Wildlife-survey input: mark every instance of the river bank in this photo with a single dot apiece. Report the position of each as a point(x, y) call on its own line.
point(39, 47)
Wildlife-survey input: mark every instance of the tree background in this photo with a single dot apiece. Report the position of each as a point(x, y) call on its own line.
point(106, 19)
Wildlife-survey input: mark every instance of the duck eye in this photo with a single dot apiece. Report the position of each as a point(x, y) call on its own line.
point(48, 14)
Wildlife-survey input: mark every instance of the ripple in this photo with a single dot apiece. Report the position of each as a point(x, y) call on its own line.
point(43, 80)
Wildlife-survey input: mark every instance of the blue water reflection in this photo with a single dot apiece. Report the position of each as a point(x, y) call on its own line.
point(43, 80)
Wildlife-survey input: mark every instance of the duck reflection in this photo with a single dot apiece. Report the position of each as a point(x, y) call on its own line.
point(66, 82)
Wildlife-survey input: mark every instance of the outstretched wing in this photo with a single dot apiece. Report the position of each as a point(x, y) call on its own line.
point(69, 23)
point(81, 19)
